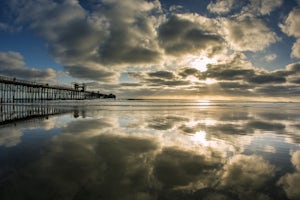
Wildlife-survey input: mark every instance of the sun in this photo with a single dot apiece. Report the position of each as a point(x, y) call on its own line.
point(201, 62)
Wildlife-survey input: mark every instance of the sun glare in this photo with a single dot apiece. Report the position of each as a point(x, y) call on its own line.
point(210, 81)
point(201, 62)
point(200, 138)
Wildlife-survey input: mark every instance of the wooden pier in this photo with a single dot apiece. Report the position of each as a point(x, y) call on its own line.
point(13, 90)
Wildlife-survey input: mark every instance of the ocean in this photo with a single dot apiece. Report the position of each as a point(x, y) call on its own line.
point(150, 149)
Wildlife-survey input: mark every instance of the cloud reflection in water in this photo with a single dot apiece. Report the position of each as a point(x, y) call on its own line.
point(146, 154)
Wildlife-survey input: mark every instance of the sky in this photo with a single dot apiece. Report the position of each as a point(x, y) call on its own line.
point(183, 49)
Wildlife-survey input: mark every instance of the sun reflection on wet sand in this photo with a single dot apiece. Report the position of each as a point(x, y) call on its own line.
point(200, 138)
point(204, 103)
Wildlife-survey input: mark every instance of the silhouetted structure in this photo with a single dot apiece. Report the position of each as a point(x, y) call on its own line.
point(13, 90)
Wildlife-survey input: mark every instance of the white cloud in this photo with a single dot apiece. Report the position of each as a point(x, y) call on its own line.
point(290, 181)
point(12, 64)
point(10, 137)
point(291, 27)
point(267, 6)
point(246, 33)
point(296, 160)
point(246, 175)
point(296, 49)
point(220, 6)
point(261, 7)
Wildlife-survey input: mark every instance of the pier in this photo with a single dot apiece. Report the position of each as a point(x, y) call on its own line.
point(13, 90)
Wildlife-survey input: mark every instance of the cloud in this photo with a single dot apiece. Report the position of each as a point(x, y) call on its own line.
point(220, 6)
point(237, 68)
point(291, 26)
point(267, 6)
point(10, 137)
point(145, 156)
point(267, 126)
point(179, 36)
point(13, 64)
point(109, 169)
point(165, 122)
point(247, 33)
point(290, 181)
point(294, 68)
point(162, 74)
point(262, 7)
point(266, 78)
point(234, 76)
point(94, 72)
point(174, 167)
point(296, 49)
point(107, 32)
point(160, 78)
point(99, 40)
point(245, 177)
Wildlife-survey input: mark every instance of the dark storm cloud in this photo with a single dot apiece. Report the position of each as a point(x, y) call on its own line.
point(180, 36)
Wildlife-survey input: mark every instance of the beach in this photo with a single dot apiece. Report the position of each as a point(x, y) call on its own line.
point(150, 149)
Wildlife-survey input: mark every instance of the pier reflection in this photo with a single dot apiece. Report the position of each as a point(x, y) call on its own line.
point(14, 113)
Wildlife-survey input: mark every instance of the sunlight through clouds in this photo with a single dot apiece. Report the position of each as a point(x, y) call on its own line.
point(185, 48)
